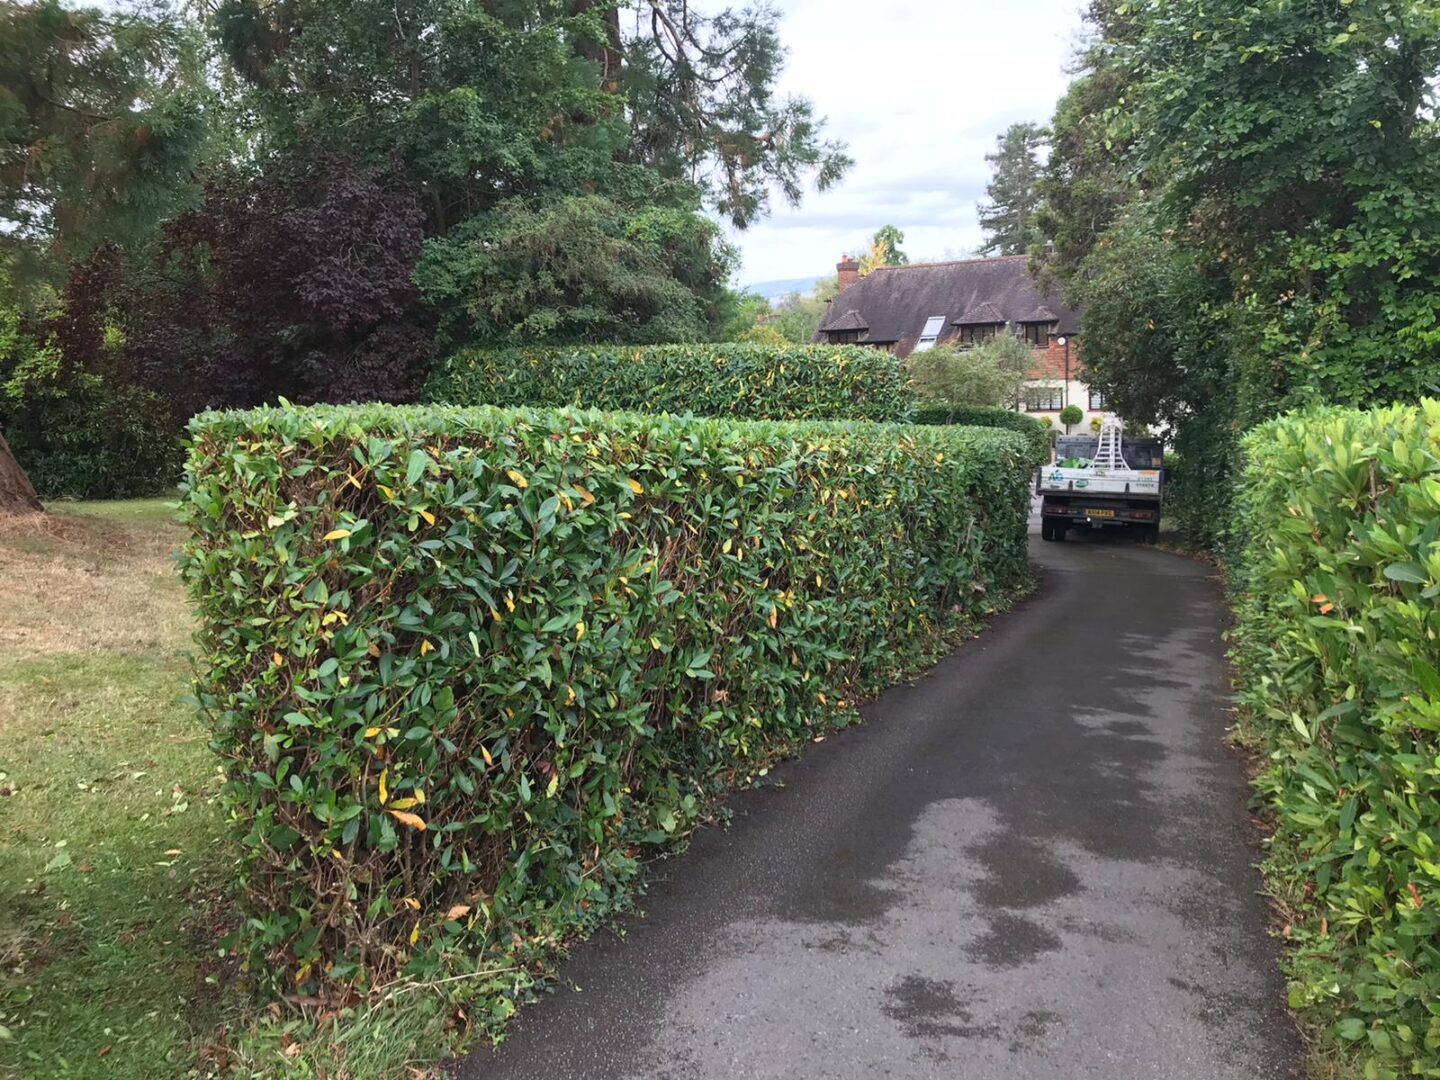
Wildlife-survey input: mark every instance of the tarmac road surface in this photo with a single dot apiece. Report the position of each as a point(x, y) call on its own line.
point(1033, 863)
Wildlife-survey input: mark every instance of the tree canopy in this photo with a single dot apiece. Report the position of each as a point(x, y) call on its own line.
point(1245, 200)
point(1009, 214)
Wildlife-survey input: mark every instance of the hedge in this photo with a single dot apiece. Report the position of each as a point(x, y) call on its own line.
point(464, 666)
point(1338, 652)
point(749, 381)
point(990, 416)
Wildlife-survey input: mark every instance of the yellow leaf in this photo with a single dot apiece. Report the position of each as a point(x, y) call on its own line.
point(353, 482)
point(403, 804)
point(579, 630)
point(495, 615)
point(411, 903)
point(302, 974)
point(371, 732)
point(553, 786)
point(386, 492)
point(486, 755)
point(585, 496)
point(426, 647)
point(569, 695)
point(413, 820)
point(517, 479)
point(429, 517)
point(635, 486)
point(459, 911)
point(337, 534)
point(774, 617)
point(509, 600)
point(279, 660)
point(415, 934)
point(384, 793)
point(419, 796)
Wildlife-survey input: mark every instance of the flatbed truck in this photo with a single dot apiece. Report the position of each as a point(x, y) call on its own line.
point(1102, 482)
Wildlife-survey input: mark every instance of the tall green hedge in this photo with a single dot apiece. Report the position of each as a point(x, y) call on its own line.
point(1338, 651)
point(1036, 433)
point(749, 381)
point(464, 665)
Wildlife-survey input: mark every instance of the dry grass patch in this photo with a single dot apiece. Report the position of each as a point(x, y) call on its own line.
point(92, 578)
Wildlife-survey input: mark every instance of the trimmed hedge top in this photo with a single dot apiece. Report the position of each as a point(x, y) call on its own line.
point(464, 665)
point(763, 382)
point(1338, 650)
point(992, 416)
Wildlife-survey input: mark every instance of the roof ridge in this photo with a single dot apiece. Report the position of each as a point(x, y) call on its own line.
point(951, 262)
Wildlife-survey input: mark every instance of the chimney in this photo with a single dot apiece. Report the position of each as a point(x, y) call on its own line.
point(847, 272)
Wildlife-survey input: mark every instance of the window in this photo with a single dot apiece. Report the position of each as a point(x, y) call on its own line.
point(974, 335)
point(1037, 334)
point(1044, 398)
point(931, 333)
point(1097, 400)
point(843, 337)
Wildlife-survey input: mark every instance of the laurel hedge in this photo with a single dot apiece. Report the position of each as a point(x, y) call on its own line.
point(1337, 647)
point(992, 416)
point(465, 665)
point(749, 381)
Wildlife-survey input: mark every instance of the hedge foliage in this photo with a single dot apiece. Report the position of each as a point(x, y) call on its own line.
point(1338, 649)
point(749, 381)
point(464, 665)
point(1036, 433)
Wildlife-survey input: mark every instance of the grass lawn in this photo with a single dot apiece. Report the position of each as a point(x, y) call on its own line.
point(111, 852)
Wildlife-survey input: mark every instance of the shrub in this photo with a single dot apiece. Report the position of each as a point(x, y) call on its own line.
point(988, 374)
point(1336, 648)
point(788, 382)
point(1071, 415)
point(77, 433)
point(463, 665)
point(992, 417)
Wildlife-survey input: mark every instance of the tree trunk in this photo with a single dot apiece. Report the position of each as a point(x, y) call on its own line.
point(16, 492)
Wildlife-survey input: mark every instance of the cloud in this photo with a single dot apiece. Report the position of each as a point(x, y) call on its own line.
point(919, 89)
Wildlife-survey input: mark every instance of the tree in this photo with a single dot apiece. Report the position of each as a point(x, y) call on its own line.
point(484, 103)
point(17, 494)
point(296, 282)
point(884, 250)
point(798, 315)
point(1009, 217)
point(100, 124)
point(992, 373)
point(583, 269)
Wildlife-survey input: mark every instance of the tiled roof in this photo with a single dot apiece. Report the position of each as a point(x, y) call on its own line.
point(981, 315)
point(851, 320)
point(894, 302)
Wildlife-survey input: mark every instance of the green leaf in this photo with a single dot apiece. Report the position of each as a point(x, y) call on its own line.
point(415, 468)
point(1407, 571)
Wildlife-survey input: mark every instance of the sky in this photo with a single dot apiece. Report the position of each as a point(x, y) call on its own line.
point(919, 89)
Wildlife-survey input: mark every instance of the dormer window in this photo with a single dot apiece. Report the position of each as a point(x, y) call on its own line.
point(976, 333)
point(931, 334)
point(1036, 334)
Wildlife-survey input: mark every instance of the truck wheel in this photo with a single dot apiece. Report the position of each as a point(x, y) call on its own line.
point(1061, 528)
point(1047, 529)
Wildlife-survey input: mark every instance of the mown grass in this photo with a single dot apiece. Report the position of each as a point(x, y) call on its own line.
point(111, 850)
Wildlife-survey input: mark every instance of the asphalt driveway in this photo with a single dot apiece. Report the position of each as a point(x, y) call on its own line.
point(1033, 863)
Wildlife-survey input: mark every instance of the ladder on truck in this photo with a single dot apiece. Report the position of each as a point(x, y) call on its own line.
point(1109, 454)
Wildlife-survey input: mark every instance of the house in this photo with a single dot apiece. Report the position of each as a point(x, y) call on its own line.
point(907, 309)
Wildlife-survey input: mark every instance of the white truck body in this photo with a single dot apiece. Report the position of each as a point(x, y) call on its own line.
point(1137, 483)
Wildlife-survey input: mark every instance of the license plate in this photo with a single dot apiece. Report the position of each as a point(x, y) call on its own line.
point(1100, 513)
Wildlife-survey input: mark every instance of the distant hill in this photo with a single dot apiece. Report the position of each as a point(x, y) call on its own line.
point(774, 290)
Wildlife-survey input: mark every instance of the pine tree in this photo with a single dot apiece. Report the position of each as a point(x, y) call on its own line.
point(1008, 215)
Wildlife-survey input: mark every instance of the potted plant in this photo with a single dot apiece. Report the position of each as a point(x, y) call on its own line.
point(1071, 415)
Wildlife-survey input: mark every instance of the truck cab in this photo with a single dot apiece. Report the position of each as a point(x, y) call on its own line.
point(1104, 481)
